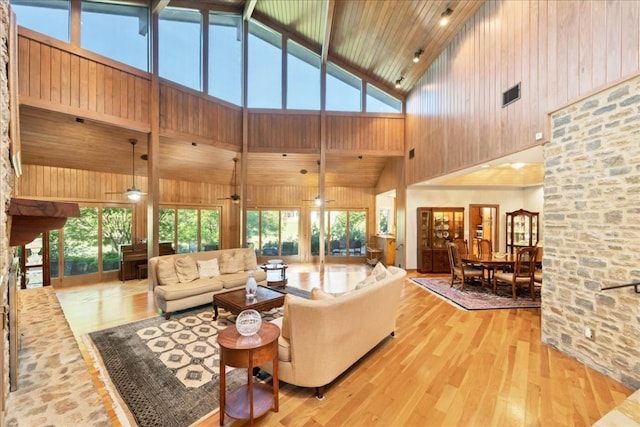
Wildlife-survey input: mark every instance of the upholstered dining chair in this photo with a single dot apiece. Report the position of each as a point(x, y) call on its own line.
point(485, 247)
point(522, 274)
point(461, 270)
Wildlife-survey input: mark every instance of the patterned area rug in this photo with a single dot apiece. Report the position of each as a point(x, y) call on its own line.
point(475, 297)
point(166, 372)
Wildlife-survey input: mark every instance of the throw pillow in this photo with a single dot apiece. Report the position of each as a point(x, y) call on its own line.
point(208, 268)
point(379, 271)
point(319, 294)
point(186, 269)
point(232, 263)
point(167, 273)
point(366, 281)
point(250, 261)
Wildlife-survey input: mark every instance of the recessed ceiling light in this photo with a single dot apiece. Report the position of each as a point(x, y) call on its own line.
point(517, 165)
point(485, 166)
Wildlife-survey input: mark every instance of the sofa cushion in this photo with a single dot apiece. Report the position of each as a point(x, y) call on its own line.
point(283, 322)
point(185, 290)
point(234, 280)
point(186, 269)
point(208, 268)
point(232, 262)
point(167, 273)
point(319, 294)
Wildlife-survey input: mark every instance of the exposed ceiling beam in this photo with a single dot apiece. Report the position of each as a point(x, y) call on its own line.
point(158, 6)
point(328, 24)
point(248, 9)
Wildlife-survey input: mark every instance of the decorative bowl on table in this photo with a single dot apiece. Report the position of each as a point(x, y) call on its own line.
point(274, 261)
point(499, 255)
point(248, 322)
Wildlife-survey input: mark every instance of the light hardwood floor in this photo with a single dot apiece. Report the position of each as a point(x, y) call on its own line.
point(445, 366)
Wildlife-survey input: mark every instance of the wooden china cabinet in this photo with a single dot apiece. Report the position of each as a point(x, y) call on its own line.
point(437, 227)
point(522, 230)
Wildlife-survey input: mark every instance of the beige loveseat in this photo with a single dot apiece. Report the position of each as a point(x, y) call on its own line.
point(321, 339)
point(177, 286)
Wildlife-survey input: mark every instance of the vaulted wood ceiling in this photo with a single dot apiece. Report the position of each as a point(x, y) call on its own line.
point(376, 38)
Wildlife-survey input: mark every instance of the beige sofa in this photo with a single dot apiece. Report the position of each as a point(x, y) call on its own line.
point(321, 339)
point(177, 286)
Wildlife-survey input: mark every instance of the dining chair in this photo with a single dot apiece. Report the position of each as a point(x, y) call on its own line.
point(460, 269)
point(522, 274)
point(485, 247)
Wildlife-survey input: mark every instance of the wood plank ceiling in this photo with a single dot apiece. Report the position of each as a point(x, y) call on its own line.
point(375, 38)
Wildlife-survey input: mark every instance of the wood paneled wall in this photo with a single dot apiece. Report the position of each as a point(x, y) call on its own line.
point(195, 116)
point(57, 76)
point(558, 50)
point(374, 135)
point(45, 182)
point(284, 131)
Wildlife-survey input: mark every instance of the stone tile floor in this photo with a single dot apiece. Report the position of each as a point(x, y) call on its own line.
point(54, 384)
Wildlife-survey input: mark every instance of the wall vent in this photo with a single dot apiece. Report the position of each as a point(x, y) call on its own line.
point(412, 153)
point(511, 95)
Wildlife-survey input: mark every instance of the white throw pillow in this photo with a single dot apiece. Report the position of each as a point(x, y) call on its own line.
point(366, 281)
point(186, 269)
point(167, 273)
point(379, 272)
point(208, 268)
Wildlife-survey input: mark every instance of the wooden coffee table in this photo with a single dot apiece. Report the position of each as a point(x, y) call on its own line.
point(237, 301)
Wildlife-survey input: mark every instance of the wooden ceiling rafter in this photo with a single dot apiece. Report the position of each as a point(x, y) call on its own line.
point(328, 25)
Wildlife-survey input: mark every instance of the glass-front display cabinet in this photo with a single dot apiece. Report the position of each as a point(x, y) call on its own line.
point(522, 230)
point(436, 227)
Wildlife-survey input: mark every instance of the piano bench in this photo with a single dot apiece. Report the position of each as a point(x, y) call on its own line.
point(142, 271)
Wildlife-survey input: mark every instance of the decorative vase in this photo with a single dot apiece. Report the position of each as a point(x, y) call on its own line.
point(252, 286)
point(248, 322)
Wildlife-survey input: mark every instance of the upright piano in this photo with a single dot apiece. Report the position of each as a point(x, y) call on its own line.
point(132, 256)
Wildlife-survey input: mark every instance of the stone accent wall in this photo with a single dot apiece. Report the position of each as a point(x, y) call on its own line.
point(592, 231)
point(6, 175)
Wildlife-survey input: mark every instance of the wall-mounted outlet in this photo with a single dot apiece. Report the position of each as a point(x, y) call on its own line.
point(588, 333)
point(538, 136)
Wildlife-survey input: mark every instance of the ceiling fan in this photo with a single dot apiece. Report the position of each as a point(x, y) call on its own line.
point(235, 197)
point(134, 193)
point(318, 200)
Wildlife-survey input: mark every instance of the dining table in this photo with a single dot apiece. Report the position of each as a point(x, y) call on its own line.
point(490, 262)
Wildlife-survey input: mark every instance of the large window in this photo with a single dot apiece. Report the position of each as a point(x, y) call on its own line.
point(345, 232)
point(50, 17)
point(273, 232)
point(381, 102)
point(225, 57)
point(180, 46)
point(190, 230)
point(116, 231)
point(303, 78)
point(107, 28)
point(81, 243)
point(264, 88)
point(343, 90)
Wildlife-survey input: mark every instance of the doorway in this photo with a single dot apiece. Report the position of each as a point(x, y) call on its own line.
point(484, 224)
point(34, 263)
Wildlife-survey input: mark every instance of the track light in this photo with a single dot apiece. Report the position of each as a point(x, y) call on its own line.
point(416, 56)
point(444, 18)
point(399, 82)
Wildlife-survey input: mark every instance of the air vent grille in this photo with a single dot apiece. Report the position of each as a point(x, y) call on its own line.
point(511, 95)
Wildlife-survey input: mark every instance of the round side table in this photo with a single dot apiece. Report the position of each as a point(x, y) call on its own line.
point(253, 399)
point(276, 273)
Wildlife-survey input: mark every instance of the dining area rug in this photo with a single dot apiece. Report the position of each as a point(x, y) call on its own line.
point(476, 297)
point(165, 372)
